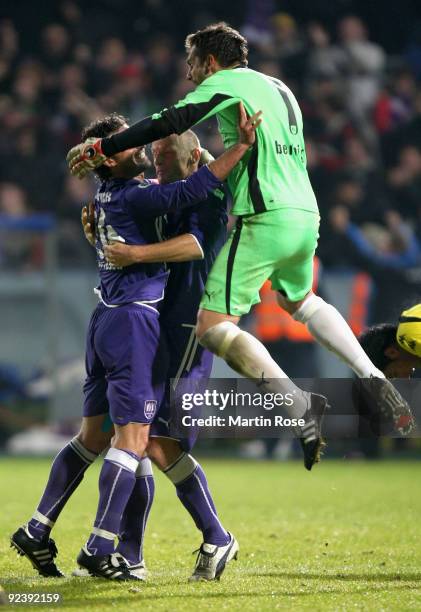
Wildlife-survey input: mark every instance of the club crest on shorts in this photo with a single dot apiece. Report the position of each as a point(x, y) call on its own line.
point(150, 409)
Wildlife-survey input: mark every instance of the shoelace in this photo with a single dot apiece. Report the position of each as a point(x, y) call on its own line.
point(53, 548)
point(203, 560)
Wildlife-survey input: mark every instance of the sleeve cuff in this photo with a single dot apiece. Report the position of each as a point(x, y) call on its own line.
point(210, 176)
point(198, 244)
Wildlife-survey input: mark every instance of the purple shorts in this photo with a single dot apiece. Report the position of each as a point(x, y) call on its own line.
point(123, 370)
point(188, 361)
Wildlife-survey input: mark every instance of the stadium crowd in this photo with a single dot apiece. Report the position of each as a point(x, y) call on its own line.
point(361, 107)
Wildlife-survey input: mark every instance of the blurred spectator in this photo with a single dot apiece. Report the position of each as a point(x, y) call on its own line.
point(405, 182)
point(13, 201)
point(394, 247)
point(288, 47)
point(55, 46)
point(72, 249)
point(18, 249)
point(389, 253)
point(365, 62)
point(324, 60)
point(395, 108)
point(361, 108)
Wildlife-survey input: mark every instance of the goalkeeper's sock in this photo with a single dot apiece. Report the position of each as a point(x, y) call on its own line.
point(65, 476)
point(248, 356)
point(135, 515)
point(116, 482)
point(331, 330)
point(193, 492)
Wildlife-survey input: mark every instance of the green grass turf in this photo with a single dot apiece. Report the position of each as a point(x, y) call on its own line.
point(345, 537)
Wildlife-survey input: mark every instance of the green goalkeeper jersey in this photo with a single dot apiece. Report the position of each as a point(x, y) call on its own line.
point(273, 173)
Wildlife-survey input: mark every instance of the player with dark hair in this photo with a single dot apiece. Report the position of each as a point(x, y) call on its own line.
point(124, 374)
point(277, 228)
point(395, 349)
point(195, 235)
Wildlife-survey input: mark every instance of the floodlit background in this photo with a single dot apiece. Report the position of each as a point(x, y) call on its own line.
point(355, 69)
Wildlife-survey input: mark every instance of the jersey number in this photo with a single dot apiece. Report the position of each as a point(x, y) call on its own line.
point(105, 233)
point(292, 119)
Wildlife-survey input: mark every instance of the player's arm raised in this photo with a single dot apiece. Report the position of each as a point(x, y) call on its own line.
point(151, 200)
point(197, 106)
point(247, 126)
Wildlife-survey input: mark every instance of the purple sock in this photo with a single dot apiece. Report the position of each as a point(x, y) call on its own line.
point(193, 491)
point(65, 476)
point(116, 482)
point(135, 515)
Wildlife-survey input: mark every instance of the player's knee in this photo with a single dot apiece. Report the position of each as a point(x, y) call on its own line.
point(202, 324)
point(219, 338)
point(133, 437)
point(289, 306)
point(308, 307)
point(163, 451)
point(92, 435)
point(207, 319)
point(94, 441)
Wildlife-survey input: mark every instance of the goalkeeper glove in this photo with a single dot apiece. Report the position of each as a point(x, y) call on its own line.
point(85, 157)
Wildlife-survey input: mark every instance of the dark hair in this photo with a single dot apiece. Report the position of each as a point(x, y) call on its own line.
point(101, 128)
point(221, 41)
point(375, 340)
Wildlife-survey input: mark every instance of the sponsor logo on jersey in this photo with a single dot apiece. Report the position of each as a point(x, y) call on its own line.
point(295, 150)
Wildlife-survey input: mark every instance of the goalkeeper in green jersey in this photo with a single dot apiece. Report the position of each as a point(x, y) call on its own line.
point(277, 230)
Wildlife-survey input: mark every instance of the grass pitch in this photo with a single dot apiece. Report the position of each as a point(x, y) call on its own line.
point(344, 537)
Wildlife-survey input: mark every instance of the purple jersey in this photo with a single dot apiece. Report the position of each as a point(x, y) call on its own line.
point(207, 223)
point(186, 358)
point(123, 340)
point(127, 211)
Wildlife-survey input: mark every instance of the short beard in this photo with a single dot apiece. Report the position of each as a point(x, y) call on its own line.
point(131, 169)
point(145, 165)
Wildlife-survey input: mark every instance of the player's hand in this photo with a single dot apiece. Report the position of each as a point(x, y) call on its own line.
point(120, 255)
point(85, 157)
point(247, 125)
point(87, 218)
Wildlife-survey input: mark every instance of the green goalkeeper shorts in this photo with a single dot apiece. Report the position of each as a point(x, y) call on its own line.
point(278, 245)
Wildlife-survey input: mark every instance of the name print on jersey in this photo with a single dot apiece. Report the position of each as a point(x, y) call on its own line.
point(284, 149)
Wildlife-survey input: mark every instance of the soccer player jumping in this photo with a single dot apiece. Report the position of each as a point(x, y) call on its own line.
point(277, 229)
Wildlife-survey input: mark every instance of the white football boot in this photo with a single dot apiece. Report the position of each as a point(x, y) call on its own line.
point(212, 559)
